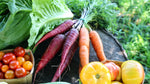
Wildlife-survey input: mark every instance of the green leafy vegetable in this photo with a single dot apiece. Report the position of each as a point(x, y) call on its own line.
point(14, 28)
point(4, 13)
point(46, 16)
point(19, 22)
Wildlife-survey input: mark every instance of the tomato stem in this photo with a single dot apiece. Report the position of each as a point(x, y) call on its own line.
point(97, 76)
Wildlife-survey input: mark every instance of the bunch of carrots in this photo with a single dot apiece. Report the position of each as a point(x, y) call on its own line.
point(65, 37)
point(84, 41)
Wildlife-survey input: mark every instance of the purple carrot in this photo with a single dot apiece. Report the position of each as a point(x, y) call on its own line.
point(70, 39)
point(54, 46)
point(64, 65)
point(60, 29)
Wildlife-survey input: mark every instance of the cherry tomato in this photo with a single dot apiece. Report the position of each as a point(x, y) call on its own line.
point(27, 57)
point(1, 75)
point(27, 65)
point(1, 65)
point(4, 68)
point(9, 74)
point(20, 72)
point(8, 57)
point(19, 51)
point(14, 64)
point(21, 60)
point(1, 55)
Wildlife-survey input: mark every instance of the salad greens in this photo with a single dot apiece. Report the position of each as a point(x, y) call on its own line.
point(29, 19)
point(15, 22)
point(46, 16)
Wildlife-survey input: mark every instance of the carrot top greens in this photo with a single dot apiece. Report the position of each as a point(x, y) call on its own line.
point(98, 14)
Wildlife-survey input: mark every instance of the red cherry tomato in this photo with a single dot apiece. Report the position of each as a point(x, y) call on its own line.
point(20, 72)
point(1, 55)
point(1, 65)
point(14, 64)
point(19, 51)
point(9, 74)
point(4, 68)
point(1, 75)
point(8, 57)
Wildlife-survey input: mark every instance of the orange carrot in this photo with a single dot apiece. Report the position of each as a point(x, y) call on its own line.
point(84, 42)
point(97, 45)
point(84, 55)
point(84, 37)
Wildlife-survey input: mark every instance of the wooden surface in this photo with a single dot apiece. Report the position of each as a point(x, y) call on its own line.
point(112, 49)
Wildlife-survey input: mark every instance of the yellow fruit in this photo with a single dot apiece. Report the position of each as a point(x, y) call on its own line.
point(116, 82)
point(132, 72)
point(95, 73)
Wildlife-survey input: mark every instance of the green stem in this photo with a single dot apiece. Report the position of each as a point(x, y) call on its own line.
point(88, 27)
point(97, 76)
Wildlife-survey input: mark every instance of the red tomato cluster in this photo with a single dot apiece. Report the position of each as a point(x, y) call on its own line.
point(15, 64)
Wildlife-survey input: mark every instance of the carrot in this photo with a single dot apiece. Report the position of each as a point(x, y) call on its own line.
point(70, 39)
point(84, 43)
point(97, 45)
point(60, 29)
point(84, 55)
point(84, 37)
point(69, 57)
point(54, 46)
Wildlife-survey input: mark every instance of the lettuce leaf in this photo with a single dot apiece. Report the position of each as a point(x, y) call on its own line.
point(16, 28)
point(4, 13)
point(47, 14)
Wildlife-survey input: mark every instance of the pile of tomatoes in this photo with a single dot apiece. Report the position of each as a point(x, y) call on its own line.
point(15, 64)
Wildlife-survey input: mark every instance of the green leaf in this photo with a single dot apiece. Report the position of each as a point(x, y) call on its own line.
point(56, 83)
point(46, 16)
point(16, 28)
point(19, 5)
point(4, 13)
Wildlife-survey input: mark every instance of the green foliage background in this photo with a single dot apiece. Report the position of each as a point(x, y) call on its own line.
point(133, 31)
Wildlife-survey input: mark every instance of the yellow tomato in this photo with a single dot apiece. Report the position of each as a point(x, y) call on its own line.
point(95, 73)
point(27, 65)
point(116, 82)
point(132, 72)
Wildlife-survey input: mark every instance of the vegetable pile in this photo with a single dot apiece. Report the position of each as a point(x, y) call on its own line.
point(35, 22)
point(15, 64)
